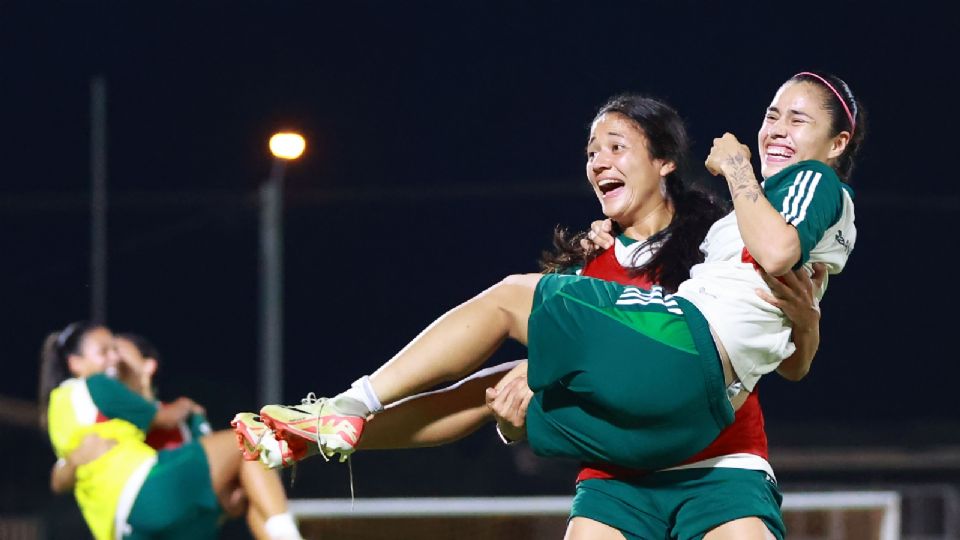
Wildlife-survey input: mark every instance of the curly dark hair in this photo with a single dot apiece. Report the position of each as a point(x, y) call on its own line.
point(694, 211)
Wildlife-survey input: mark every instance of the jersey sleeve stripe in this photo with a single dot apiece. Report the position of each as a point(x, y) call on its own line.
point(799, 196)
point(801, 193)
point(806, 202)
point(785, 210)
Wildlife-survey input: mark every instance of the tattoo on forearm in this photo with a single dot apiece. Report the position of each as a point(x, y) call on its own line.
point(740, 178)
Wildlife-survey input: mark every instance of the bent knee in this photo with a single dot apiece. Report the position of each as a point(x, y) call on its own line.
point(513, 296)
point(514, 291)
point(527, 281)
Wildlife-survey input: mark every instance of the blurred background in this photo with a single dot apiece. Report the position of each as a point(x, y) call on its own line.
point(444, 143)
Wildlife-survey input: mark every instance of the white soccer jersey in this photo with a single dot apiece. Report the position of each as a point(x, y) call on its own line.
point(755, 334)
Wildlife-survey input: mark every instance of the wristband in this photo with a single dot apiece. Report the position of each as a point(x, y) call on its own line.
point(504, 438)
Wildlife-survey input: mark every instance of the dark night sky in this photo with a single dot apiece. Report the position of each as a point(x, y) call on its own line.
point(435, 134)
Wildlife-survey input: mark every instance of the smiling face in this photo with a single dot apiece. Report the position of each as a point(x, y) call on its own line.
point(95, 355)
point(625, 178)
point(797, 127)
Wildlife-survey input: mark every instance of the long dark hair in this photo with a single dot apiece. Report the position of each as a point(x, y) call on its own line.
point(838, 101)
point(694, 211)
point(56, 349)
point(144, 346)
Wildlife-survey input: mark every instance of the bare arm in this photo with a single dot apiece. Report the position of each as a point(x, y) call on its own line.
point(772, 242)
point(64, 474)
point(170, 415)
point(795, 295)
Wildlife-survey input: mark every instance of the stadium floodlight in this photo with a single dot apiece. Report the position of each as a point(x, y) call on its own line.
point(287, 145)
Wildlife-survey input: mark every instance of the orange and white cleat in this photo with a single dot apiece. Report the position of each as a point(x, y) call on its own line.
point(258, 443)
point(330, 426)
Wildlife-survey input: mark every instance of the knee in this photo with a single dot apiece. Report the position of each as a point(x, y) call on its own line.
point(513, 292)
point(504, 291)
point(513, 297)
point(520, 281)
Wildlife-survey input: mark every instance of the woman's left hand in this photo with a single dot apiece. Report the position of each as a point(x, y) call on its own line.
point(600, 236)
point(795, 295)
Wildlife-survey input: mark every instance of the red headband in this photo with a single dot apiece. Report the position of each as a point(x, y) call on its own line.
point(853, 124)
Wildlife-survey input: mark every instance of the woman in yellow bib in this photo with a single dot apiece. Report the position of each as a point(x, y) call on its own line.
point(133, 491)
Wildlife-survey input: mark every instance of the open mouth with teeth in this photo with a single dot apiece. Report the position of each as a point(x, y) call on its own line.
point(779, 153)
point(609, 185)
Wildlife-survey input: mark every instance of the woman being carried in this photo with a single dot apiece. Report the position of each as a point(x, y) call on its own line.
point(607, 360)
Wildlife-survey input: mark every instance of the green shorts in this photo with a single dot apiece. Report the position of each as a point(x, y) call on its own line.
point(177, 500)
point(621, 375)
point(684, 504)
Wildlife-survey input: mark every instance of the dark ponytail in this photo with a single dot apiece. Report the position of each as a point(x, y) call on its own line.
point(846, 114)
point(56, 349)
point(693, 211)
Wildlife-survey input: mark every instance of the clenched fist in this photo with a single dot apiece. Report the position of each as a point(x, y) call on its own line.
point(726, 151)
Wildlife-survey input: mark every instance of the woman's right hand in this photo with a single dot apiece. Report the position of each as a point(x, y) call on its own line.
point(726, 154)
point(170, 415)
point(600, 235)
point(508, 402)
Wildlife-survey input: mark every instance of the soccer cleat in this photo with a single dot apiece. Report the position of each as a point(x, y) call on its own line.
point(258, 443)
point(249, 429)
point(334, 425)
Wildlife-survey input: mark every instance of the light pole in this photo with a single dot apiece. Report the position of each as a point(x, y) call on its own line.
point(98, 200)
point(284, 146)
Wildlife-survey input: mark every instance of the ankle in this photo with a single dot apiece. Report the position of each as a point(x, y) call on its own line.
point(282, 527)
point(362, 391)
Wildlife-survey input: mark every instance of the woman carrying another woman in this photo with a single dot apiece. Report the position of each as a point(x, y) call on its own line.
point(133, 491)
point(801, 123)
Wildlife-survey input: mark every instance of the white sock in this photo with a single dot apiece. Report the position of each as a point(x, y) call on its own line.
point(362, 391)
point(282, 527)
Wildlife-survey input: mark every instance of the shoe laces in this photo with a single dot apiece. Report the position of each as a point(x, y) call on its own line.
point(312, 399)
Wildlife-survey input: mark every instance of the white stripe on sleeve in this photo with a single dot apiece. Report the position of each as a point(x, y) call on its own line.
point(801, 193)
point(806, 202)
point(786, 200)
